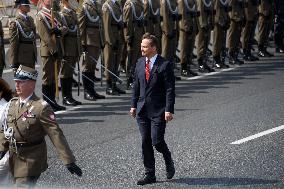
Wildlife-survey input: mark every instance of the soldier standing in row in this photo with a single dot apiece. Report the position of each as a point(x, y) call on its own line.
point(113, 26)
point(28, 120)
point(92, 40)
point(2, 50)
point(221, 25)
point(50, 30)
point(251, 16)
point(265, 9)
point(187, 34)
point(22, 36)
point(133, 18)
point(205, 8)
point(237, 16)
point(153, 20)
point(71, 53)
point(170, 18)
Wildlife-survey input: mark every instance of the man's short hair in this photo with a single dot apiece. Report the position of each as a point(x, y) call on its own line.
point(152, 38)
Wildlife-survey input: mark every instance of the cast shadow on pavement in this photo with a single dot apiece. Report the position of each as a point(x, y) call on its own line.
point(224, 181)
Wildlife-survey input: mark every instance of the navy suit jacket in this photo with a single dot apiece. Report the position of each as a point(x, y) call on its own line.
point(156, 96)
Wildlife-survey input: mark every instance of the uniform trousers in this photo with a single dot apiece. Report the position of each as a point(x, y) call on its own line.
point(168, 47)
point(112, 57)
point(264, 26)
point(89, 65)
point(248, 33)
point(26, 182)
point(202, 42)
point(48, 69)
point(152, 131)
point(187, 45)
point(68, 66)
point(234, 35)
point(219, 39)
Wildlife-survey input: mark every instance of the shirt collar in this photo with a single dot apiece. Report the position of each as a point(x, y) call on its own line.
point(23, 15)
point(152, 60)
point(26, 100)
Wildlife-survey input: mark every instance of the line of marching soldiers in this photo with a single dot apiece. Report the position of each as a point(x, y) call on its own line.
point(112, 30)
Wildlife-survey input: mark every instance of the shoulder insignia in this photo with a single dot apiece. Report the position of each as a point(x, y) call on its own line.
point(52, 117)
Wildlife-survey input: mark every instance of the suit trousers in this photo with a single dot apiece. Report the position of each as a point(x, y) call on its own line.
point(152, 131)
point(26, 182)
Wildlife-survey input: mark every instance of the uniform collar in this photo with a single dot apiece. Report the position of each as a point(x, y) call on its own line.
point(25, 16)
point(25, 100)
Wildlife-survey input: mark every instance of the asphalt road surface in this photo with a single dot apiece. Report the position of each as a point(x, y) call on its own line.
point(214, 115)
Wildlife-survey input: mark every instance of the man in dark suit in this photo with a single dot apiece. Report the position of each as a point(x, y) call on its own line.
point(153, 102)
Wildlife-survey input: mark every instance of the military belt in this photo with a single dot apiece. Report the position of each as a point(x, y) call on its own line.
point(27, 42)
point(28, 144)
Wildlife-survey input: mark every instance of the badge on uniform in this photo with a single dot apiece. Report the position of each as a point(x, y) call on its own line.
point(52, 117)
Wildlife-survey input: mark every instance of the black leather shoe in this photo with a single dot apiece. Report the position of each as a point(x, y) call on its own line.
point(89, 96)
point(250, 58)
point(67, 101)
point(170, 168)
point(96, 79)
point(279, 50)
point(148, 179)
point(98, 96)
point(188, 73)
point(110, 91)
point(206, 67)
point(120, 91)
point(217, 65)
point(56, 107)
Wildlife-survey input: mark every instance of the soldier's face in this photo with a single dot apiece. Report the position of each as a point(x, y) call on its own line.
point(25, 8)
point(24, 88)
point(146, 49)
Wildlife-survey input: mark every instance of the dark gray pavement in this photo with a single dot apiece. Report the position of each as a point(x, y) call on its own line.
point(212, 111)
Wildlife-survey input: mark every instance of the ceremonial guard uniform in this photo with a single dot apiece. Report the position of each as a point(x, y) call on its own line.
point(153, 19)
point(92, 40)
point(2, 50)
point(50, 52)
point(205, 24)
point(237, 16)
point(265, 9)
point(27, 123)
point(187, 34)
point(22, 36)
point(133, 18)
point(279, 26)
point(113, 26)
point(71, 45)
point(170, 18)
point(251, 16)
point(221, 25)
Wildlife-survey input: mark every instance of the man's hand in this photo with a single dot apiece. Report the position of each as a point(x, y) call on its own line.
point(2, 154)
point(73, 168)
point(168, 116)
point(132, 112)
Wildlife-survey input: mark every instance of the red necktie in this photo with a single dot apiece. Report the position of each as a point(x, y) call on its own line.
point(147, 70)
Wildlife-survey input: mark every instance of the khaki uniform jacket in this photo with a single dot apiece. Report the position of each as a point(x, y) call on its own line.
point(152, 17)
point(48, 45)
point(222, 15)
point(2, 50)
point(266, 8)
point(22, 41)
point(206, 13)
point(134, 26)
point(251, 11)
point(90, 24)
point(31, 124)
point(112, 26)
point(238, 12)
point(70, 39)
point(168, 22)
point(188, 21)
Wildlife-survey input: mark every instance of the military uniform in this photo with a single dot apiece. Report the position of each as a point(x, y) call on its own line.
point(22, 36)
point(153, 19)
point(205, 24)
point(170, 18)
point(28, 122)
point(251, 16)
point(92, 40)
point(279, 26)
point(237, 16)
point(221, 24)
point(113, 26)
point(50, 51)
point(133, 17)
point(2, 50)
point(71, 45)
point(187, 34)
point(265, 9)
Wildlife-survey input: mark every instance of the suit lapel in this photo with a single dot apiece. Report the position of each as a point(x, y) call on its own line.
point(153, 70)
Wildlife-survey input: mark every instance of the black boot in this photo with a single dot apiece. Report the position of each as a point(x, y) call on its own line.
point(186, 71)
point(66, 86)
point(110, 90)
point(117, 89)
point(217, 63)
point(129, 82)
point(206, 67)
point(248, 56)
point(149, 178)
point(89, 91)
point(48, 92)
point(262, 52)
